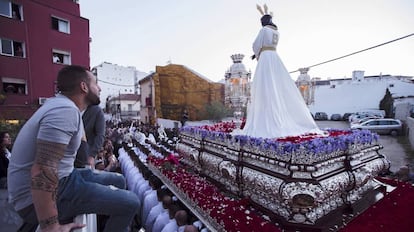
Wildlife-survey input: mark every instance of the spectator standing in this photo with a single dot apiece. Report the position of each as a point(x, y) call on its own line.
point(5, 155)
point(6, 143)
point(94, 122)
point(185, 117)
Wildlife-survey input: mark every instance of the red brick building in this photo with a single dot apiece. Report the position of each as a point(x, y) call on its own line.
point(37, 38)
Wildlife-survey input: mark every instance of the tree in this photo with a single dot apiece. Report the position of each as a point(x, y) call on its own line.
point(387, 104)
point(216, 111)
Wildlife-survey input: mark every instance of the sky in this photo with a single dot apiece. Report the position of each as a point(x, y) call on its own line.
point(203, 34)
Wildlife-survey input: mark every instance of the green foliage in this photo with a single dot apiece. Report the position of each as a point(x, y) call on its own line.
point(387, 104)
point(3, 97)
point(216, 111)
point(12, 129)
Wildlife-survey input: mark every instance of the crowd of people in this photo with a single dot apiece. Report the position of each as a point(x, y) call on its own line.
point(65, 163)
point(159, 210)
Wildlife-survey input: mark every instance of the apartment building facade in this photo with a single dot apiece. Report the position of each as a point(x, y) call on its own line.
point(115, 80)
point(37, 39)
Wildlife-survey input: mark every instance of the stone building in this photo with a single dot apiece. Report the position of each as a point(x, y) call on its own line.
point(173, 88)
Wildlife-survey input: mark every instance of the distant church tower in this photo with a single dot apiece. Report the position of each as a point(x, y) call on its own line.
point(237, 83)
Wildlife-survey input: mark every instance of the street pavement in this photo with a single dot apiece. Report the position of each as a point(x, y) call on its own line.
point(396, 148)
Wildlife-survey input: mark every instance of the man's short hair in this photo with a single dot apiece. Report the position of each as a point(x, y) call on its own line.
point(181, 217)
point(70, 77)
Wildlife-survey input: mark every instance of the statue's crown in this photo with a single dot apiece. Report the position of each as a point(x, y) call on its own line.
point(265, 11)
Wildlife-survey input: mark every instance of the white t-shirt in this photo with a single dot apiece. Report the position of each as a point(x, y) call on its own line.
point(8, 154)
point(59, 121)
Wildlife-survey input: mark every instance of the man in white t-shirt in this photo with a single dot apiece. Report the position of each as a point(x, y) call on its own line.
point(44, 186)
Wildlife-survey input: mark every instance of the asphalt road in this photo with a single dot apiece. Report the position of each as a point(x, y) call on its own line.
point(396, 148)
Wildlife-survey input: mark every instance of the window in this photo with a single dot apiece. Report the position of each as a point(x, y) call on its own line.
point(18, 49)
point(148, 102)
point(60, 25)
point(6, 47)
point(372, 123)
point(14, 85)
point(60, 57)
point(17, 12)
point(394, 123)
point(11, 10)
point(11, 48)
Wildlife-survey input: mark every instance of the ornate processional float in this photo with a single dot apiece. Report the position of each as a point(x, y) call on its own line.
point(302, 181)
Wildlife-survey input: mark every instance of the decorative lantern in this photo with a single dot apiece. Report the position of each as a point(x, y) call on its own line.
point(305, 85)
point(237, 91)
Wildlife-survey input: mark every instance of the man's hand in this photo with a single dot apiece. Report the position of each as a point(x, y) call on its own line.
point(63, 228)
point(91, 161)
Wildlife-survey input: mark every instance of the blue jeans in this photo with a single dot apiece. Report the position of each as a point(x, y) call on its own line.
point(87, 191)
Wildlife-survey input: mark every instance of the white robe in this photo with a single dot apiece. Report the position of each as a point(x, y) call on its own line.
point(161, 221)
point(152, 216)
point(171, 226)
point(277, 108)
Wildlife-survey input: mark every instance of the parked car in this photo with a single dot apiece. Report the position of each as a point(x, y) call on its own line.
point(364, 120)
point(321, 116)
point(336, 117)
point(345, 117)
point(381, 126)
point(356, 117)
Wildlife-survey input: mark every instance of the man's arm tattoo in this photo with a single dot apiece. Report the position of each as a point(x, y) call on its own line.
point(48, 156)
point(48, 221)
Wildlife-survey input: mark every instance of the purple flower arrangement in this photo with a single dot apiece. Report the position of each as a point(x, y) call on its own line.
point(332, 141)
